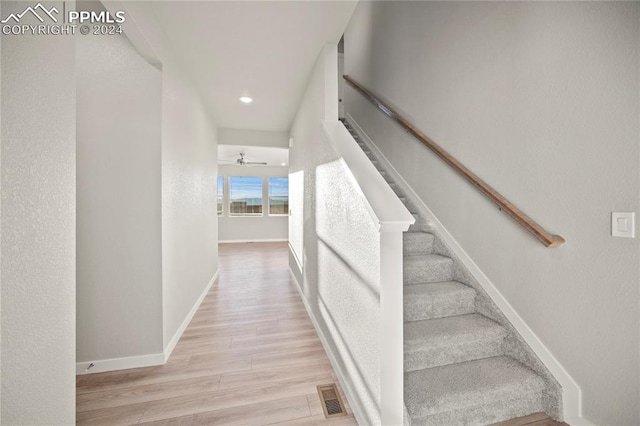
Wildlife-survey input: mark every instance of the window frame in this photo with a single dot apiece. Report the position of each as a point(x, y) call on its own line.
point(230, 201)
point(268, 181)
point(221, 191)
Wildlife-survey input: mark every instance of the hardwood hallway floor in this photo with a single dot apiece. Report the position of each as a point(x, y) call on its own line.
point(249, 357)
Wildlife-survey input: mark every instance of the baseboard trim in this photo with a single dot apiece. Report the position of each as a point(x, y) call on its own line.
point(185, 323)
point(343, 379)
point(268, 240)
point(124, 363)
point(148, 360)
point(292, 252)
point(571, 392)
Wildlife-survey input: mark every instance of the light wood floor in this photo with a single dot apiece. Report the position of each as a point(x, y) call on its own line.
point(539, 419)
point(249, 357)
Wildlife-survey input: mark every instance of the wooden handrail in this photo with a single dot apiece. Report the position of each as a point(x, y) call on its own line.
point(529, 224)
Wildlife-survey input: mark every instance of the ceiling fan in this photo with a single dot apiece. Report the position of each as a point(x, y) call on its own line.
point(243, 161)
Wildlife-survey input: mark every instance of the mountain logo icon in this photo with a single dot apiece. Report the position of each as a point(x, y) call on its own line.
point(34, 11)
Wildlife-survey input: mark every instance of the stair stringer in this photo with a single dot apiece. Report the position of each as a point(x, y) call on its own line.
point(562, 396)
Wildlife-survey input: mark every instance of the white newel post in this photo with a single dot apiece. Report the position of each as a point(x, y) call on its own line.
point(391, 328)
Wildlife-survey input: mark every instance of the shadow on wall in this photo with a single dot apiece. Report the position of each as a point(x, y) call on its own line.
point(346, 355)
point(324, 247)
point(348, 274)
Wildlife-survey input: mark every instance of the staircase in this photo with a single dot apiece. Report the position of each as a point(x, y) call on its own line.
point(457, 370)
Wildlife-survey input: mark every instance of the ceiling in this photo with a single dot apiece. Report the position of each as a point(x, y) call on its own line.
point(272, 156)
point(262, 49)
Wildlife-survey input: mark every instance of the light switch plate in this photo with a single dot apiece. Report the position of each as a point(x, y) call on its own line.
point(623, 224)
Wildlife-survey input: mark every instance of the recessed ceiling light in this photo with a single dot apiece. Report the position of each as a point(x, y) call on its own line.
point(283, 164)
point(246, 99)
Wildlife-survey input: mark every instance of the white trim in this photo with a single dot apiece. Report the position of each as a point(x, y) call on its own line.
point(185, 323)
point(269, 240)
point(346, 384)
point(383, 205)
point(571, 392)
point(391, 336)
point(134, 34)
point(147, 360)
point(120, 363)
point(295, 256)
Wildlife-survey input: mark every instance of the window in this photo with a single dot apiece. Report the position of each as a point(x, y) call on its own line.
point(278, 195)
point(220, 194)
point(245, 196)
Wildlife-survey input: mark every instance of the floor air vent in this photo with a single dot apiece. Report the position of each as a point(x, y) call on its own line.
point(332, 404)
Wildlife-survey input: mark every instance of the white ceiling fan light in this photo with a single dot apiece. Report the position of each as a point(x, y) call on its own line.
point(246, 99)
point(243, 161)
point(273, 156)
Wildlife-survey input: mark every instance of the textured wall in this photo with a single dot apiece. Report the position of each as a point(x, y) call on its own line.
point(189, 218)
point(119, 300)
point(340, 279)
point(38, 228)
point(189, 171)
point(541, 100)
point(252, 228)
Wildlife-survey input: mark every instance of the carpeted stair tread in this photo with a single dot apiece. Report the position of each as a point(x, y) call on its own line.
point(500, 382)
point(435, 342)
point(437, 300)
point(416, 243)
point(395, 188)
point(386, 176)
point(427, 268)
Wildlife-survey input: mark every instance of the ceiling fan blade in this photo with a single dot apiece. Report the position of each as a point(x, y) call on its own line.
point(256, 163)
point(227, 161)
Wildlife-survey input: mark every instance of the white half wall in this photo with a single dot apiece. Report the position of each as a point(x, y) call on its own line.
point(542, 101)
point(38, 227)
point(339, 282)
point(119, 304)
point(252, 228)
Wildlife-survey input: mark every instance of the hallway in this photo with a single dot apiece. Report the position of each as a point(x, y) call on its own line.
point(250, 356)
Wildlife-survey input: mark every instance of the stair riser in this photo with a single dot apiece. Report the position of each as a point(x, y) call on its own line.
point(420, 226)
point(417, 243)
point(437, 301)
point(431, 272)
point(418, 310)
point(456, 351)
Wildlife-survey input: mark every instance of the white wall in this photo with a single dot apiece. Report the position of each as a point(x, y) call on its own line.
point(253, 137)
point(189, 200)
point(119, 288)
point(189, 171)
point(252, 228)
point(339, 281)
point(38, 228)
point(541, 100)
point(2, 137)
